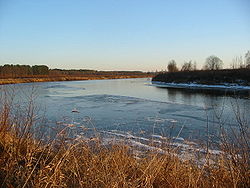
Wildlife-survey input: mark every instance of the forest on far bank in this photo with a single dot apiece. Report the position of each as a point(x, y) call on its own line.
point(209, 77)
point(27, 71)
point(211, 73)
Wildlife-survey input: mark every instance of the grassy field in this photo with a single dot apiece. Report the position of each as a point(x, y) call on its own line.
point(67, 78)
point(29, 159)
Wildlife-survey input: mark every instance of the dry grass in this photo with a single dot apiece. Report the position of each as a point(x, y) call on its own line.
point(26, 161)
point(67, 78)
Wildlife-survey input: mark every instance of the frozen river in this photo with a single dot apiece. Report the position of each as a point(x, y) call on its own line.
point(134, 108)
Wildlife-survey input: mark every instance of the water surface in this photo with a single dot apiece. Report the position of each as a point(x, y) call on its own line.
point(134, 107)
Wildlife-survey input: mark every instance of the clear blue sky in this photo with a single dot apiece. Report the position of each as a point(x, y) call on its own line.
point(122, 34)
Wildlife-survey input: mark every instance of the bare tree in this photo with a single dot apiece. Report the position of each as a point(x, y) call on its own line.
point(213, 63)
point(237, 62)
point(188, 66)
point(247, 59)
point(172, 67)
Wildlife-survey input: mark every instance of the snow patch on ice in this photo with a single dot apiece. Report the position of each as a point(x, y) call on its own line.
point(160, 120)
point(224, 86)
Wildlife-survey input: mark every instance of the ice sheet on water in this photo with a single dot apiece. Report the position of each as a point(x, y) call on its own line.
point(179, 139)
point(186, 148)
point(104, 98)
point(147, 147)
point(125, 135)
point(158, 136)
point(160, 120)
point(62, 86)
point(227, 86)
point(55, 86)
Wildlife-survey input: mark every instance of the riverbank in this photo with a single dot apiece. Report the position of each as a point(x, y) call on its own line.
point(68, 78)
point(206, 77)
point(81, 162)
point(227, 81)
point(223, 89)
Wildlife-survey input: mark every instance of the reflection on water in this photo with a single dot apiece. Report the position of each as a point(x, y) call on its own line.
point(132, 106)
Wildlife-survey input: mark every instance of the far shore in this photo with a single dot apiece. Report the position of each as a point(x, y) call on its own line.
point(225, 80)
point(4, 81)
point(221, 89)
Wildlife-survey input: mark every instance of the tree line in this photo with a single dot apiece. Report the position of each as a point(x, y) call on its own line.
point(212, 63)
point(21, 71)
point(13, 71)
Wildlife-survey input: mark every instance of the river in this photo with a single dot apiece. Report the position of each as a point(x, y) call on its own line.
point(133, 108)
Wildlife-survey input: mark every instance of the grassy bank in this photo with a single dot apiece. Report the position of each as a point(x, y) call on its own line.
point(67, 78)
point(208, 77)
point(28, 163)
point(29, 159)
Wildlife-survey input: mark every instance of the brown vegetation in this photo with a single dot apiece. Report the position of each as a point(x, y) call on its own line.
point(12, 74)
point(68, 78)
point(27, 160)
